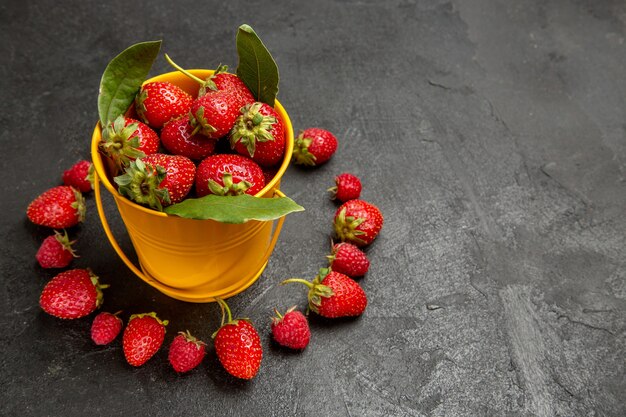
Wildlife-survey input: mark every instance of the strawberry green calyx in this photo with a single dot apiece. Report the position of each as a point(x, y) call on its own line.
point(79, 205)
point(252, 127)
point(189, 338)
point(301, 154)
point(151, 314)
point(225, 314)
point(140, 183)
point(346, 228)
point(140, 107)
point(64, 240)
point(229, 187)
point(90, 175)
point(316, 289)
point(200, 124)
point(279, 317)
point(95, 280)
point(116, 144)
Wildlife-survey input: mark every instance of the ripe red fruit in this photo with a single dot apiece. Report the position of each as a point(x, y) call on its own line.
point(259, 134)
point(56, 251)
point(348, 187)
point(186, 352)
point(105, 328)
point(177, 138)
point(214, 114)
point(159, 102)
point(226, 174)
point(59, 207)
point(127, 139)
point(143, 337)
point(222, 80)
point(78, 176)
point(349, 260)
point(314, 146)
point(358, 222)
point(332, 294)
point(72, 294)
point(291, 330)
point(157, 180)
point(238, 346)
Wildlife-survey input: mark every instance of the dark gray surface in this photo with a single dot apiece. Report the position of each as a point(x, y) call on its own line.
point(490, 133)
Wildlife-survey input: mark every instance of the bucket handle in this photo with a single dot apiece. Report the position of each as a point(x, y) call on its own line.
point(129, 263)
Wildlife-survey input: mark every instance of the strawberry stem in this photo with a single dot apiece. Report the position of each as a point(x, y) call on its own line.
point(184, 71)
point(300, 280)
point(224, 306)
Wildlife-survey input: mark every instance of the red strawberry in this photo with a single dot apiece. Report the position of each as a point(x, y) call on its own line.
point(332, 294)
point(177, 138)
point(222, 80)
point(72, 294)
point(58, 207)
point(269, 173)
point(226, 174)
point(78, 176)
point(157, 180)
point(159, 102)
point(358, 222)
point(186, 352)
point(143, 337)
point(127, 139)
point(349, 260)
point(238, 346)
point(259, 133)
point(314, 146)
point(56, 251)
point(348, 187)
point(105, 328)
point(292, 329)
point(214, 114)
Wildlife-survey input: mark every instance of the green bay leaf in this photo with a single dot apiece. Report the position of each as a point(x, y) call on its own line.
point(234, 209)
point(123, 77)
point(256, 68)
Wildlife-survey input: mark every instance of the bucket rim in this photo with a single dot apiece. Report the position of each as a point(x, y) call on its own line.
point(100, 170)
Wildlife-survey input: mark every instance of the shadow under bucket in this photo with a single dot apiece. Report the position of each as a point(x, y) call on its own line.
point(193, 260)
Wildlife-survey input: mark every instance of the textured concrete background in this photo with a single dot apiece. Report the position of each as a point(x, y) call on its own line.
point(490, 133)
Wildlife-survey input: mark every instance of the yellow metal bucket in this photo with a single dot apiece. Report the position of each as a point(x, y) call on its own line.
point(193, 260)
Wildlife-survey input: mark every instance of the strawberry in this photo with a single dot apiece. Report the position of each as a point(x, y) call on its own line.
point(269, 173)
point(157, 180)
point(291, 330)
point(314, 146)
point(143, 337)
point(358, 222)
point(72, 294)
point(56, 251)
point(348, 187)
point(332, 294)
point(59, 207)
point(226, 174)
point(177, 138)
point(238, 345)
point(348, 259)
point(127, 139)
point(105, 328)
point(259, 133)
point(78, 176)
point(214, 115)
point(159, 102)
point(186, 352)
point(222, 80)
